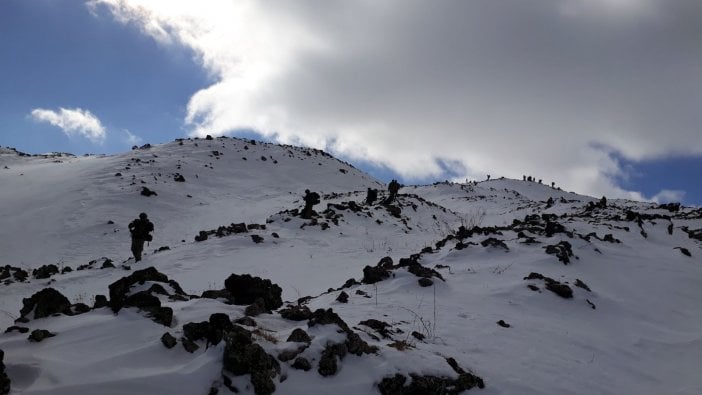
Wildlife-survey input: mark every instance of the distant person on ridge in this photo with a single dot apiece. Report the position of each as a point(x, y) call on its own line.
point(140, 228)
point(393, 188)
point(311, 198)
point(371, 196)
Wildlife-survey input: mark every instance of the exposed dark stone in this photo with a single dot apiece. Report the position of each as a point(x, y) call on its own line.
point(503, 324)
point(5, 382)
point(581, 284)
point(195, 331)
point(162, 315)
point(242, 356)
point(100, 301)
point(257, 239)
point(119, 289)
point(189, 345)
point(393, 210)
point(202, 236)
point(45, 271)
point(289, 355)
point(168, 340)
point(20, 329)
point(591, 304)
point(328, 365)
point(418, 336)
point(533, 287)
point(373, 275)
point(379, 326)
point(559, 289)
point(45, 303)
point(80, 308)
point(147, 192)
point(107, 264)
point(425, 282)
point(350, 283)
point(245, 289)
point(296, 313)
point(343, 297)
point(255, 309)
point(385, 262)
point(562, 250)
point(300, 336)
point(301, 363)
point(38, 335)
point(178, 178)
point(493, 242)
point(684, 251)
point(66, 269)
point(217, 294)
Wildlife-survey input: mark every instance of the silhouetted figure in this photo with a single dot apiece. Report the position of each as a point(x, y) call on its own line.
point(311, 198)
point(540, 180)
point(140, 229)
point(371, 196)
point(553, 184)
point(523, 178)
point(488, 177)
point(393, 188)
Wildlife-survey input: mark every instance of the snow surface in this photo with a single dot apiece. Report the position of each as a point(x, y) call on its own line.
point(643, 337)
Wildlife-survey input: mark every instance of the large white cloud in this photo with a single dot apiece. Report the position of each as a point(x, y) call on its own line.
point(546, 87)
point(73, 121)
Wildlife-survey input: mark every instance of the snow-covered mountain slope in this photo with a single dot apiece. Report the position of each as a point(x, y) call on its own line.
point(57, 209)
point(508, 285)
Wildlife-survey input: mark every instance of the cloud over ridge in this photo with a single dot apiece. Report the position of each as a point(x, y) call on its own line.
point(545, 88)
point(72, 122)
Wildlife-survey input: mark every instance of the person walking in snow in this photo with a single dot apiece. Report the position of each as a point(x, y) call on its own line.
point(311, 198)
point(140, 229)
point(393, 188)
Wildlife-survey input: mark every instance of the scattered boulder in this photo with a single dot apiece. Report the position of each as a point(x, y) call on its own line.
point(246, 289)
point(178, 178)
point(503, 324)
point(257, 239)
point(375, 274)
point(38, 335)
point(562, 250)
point(202, 236)
point(343, 297)
point(45, 271)
point(296, 313)
point(168, 340)
point(560, 289)
point(495, 243)
point(299, 335)
point(147, 192)
point(425, 282)
point(579, 283)
point(243, 356)
point(383, 328)
point(684, 251)
point(45, 303)
point(256, 308)
point(246, 321)
point(301, 363)
point(15, 328)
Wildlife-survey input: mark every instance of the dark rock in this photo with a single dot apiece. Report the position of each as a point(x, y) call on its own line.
point(147, 192)
point(220, 322)
point(45, 271)
point(100, 301)
point(242, 356)
point(562, 250)
point(189, 345)
point(202, 236)
point(418, 336)
point(45, 303)
point(299, 335)
point(684, 251)
point(162, 315)
point(533, 287)
point(255, 309)
point(581, 284)
point(385, 263)
point(216, 294)
point(373, 275)
point(493, 242)
point(66, 269)
point(195, 331)
point(383, 328)
point(559, 289)
point(5, 383)
point(343, 297)
point(257, 239)
point(80, 308)
point(296, 313)
point(425, 282)
point(107, 264)
point(168, 340)
point(591, 304)
point(245, 289)
point(301, 363)
point(350, 283)
point(15, 328)
point(38, 335)
point(178, 178)
point(503, 324)
point(289, 355)
point(328, 365)
point(393, 210)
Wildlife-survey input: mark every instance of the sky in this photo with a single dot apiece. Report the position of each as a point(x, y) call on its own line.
point(602, 97)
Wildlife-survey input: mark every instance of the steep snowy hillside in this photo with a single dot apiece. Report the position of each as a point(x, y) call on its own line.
point(57, 209)
point(496, 287)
